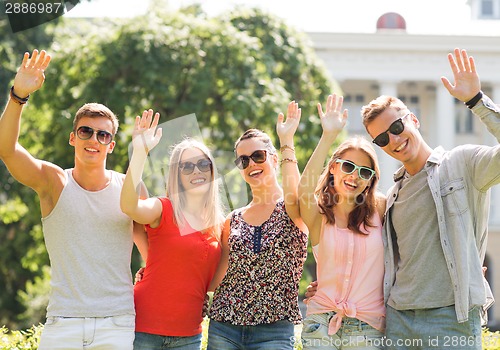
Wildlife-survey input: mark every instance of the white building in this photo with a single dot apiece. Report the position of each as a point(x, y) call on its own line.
point(391, 61)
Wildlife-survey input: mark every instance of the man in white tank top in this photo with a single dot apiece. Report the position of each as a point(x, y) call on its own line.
point(88, 238)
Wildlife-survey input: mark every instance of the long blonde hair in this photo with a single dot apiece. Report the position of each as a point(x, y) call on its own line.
point(213, 211)
point(366, 204)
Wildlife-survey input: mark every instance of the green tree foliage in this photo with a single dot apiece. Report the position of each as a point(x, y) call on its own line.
point(233, 72)
point(22, 254)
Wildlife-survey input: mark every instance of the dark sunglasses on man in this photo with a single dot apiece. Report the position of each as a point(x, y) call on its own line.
point(86, 132)
point(258, 157)
point(203, 165)
point(396, 128)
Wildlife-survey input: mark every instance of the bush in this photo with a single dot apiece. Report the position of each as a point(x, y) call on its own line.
point(17, 340)
point(491, 340)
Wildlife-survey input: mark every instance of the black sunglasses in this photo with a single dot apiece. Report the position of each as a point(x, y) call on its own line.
point(86, 132)
point(348, 167)
point(396, 128)
point(258, 157)
point(203, 165)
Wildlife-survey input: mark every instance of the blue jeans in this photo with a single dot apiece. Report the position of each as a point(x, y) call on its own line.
point(352, 334)
point(147, 341)
point(272, 336)
point(432, 329)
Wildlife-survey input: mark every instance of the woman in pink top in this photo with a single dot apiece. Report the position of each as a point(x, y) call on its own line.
point(182, 249)
point(344, 213)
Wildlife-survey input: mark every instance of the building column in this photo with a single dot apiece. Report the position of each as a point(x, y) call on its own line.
point(445, 118)
point(388, 165)
point(496, 93)
point(495, 191)
point(495, 96)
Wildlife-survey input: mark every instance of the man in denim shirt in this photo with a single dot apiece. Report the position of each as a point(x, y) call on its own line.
point(436, 220)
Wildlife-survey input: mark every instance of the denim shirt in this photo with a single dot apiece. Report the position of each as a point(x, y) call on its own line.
point(460, 182)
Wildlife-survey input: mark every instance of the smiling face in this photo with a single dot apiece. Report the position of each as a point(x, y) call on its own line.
point(197, 182)
point(91, 150)
point(408, 147)
point(257, 173)
point(350, 185)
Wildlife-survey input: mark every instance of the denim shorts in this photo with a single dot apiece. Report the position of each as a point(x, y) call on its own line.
point(147, 341)
point(432, 329)
point(271, 336)
point(67, 333)
point(352, 334)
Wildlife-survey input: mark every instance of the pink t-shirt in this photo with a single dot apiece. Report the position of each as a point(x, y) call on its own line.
point(350, 268)
point(169, 298)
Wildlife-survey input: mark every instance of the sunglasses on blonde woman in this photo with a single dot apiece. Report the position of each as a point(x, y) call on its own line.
point(203, 165)
point(258, 157)
point(348, 167)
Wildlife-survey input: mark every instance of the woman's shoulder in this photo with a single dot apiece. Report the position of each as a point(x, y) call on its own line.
point(166, 205)
point(280, 204)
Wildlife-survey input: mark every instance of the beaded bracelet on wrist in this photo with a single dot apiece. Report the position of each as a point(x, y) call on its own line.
point(285, 147)
point(289, 160)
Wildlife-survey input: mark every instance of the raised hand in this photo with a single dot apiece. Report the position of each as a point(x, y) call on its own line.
point(467, 83)
point(287, 128)
point(334, 119)
point(30, 75)
point(145, 134)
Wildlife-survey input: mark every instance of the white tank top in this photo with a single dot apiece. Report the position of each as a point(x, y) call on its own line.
point(89, 241)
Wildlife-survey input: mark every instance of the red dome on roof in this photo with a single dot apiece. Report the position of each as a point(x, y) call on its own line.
point(391, 20)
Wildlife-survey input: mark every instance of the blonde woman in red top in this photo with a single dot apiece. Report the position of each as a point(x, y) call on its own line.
point(344, 213)
point(182, 249)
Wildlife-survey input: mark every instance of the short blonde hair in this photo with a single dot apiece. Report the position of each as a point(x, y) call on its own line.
point(96, 110)
point(377, 106)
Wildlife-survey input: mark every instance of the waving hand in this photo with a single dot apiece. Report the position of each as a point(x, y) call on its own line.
point(145, 134)
point(467, 83)
point(333, 119)
point(287, 128)
point(30, 75)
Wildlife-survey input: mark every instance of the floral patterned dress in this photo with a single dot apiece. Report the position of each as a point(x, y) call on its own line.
point(265, 266)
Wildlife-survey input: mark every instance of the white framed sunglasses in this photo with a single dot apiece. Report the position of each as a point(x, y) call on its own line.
point(348, 167)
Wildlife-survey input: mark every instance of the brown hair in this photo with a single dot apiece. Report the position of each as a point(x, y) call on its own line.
point(366, 205)
point(259, 134)
point(95, 110)
point(377, 106)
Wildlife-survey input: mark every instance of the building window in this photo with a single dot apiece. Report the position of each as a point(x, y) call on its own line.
point(489, 9)
point(354, 103)
point(413, 104)
point(464, 119)
point(360, 99)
